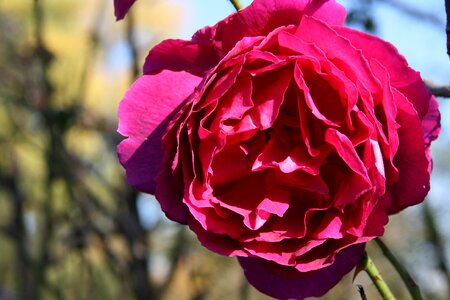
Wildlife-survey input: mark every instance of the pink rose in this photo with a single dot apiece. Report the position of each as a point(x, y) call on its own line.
point(282, 137)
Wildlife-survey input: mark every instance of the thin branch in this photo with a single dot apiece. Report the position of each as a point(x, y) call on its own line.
point(361, 292)
point(447, 28)
point(132, 44)
point(16, 230)
point(415, 13)
point(44, 88)
point(411, 285)
point(94, 37)
point(129, 223)
point(177, 253)
point(438, 90)
point(436, 239)
point(237, 5)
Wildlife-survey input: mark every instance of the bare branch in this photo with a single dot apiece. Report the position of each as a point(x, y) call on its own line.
point(447, 29)
point(131, 40)
point(415, 13)
point(438, 90)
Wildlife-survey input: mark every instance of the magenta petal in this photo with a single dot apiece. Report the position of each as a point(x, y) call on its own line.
point(219, 243)
point(263, 16)
point(210, 44)
point(402, 77)
point(196, 56)
point(144, 115)
point(411, 160)
point(284, 282)
point(431, 123)
point(121, 7)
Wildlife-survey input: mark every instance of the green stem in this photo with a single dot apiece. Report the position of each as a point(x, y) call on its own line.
point(376, 278)
point(411, 285)
point(237, 5)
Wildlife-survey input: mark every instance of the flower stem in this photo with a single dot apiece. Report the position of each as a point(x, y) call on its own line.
point(411, 285)
point(237, 5)
point(376, 278)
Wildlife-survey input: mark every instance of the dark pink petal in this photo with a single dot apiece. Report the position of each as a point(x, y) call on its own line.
point(330, 226)
point(170, 181)
point(219, 243)
point(431, 123)
point(229, 165)
point(339, 51)
point(284, 282)
point(411, 160)
point(269, 90)
point(347, 153)
point(263, 16)
point(121, 8)
point(233, 104)
point(196, 57)
point(210, 44)
point(300, 78)
point(144, 114)
point(284, 252)
point(262, 198)
point(402, 77)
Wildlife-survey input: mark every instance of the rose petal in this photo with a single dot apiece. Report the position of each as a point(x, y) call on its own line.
point(360, 181)
point(263, 16)
point(431, 123)
point(219, 243)
point(402, 77)
point(196, 57)
point(210, 44)
point(121, 8)
point(412, 163)
point(262, 198)
point(144, 114)
point(339, 51)
point(283, 282)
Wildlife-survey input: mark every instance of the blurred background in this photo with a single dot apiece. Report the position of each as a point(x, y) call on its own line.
point(71, 227)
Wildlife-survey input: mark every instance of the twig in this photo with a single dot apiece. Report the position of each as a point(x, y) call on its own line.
point(438, 90)
point(413, 12)
point(361, 291)
point(44, 87)
point(411, 285)
point(131, 40)
point(435, 238)
point(447, 28)
point(129, 223)
point(16, 230)
point(177, 253)
point(237, 5)
point(94, 37)
point(376, 278)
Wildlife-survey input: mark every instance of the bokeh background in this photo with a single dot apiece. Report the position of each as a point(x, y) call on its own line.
point(71, 227)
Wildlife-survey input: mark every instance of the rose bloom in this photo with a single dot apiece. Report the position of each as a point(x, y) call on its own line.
point(282, 137)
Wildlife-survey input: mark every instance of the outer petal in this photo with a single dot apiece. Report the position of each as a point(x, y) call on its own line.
point(219, 243)
point(431, 123)
point(196, 56)
point(263, 16)
point(121, 8)
point(402, 77)
point(210, 44)
point(144, 115)
point(411, 159)
point(283, 282)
